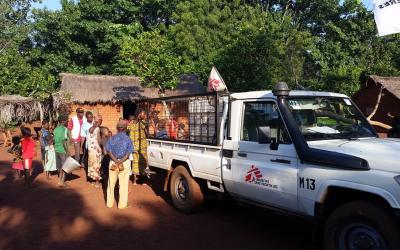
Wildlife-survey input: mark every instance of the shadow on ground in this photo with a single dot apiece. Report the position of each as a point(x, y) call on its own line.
point(45, 217)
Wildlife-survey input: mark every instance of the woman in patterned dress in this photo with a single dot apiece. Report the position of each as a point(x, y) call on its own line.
point(137, 133)
point(95, 152)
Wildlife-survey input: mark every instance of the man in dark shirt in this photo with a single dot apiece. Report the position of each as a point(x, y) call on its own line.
point(119, 148)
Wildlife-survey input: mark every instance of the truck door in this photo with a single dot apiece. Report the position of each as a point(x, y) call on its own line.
point(268, 173)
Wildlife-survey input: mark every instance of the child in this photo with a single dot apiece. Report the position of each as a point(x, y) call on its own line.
point(17, 152)
point(162, 130)
point(61, 147)
point(50, 159)
point(28, 152)
point(43, 133)
point(173, 127)
point(181, 131)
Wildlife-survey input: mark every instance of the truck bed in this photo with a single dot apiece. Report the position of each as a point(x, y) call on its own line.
point(203, 160)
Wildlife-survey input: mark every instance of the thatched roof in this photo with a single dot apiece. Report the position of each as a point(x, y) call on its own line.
point(112, 89)
point(15, 108)
point(391, 84)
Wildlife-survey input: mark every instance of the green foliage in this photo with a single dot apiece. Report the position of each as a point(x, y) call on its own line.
point(326, 45)
point(17, 76)
point(20, 78)
point(150, 57)
point(258, 58)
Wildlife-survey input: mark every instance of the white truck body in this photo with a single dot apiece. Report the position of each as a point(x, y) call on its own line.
point(278, 178)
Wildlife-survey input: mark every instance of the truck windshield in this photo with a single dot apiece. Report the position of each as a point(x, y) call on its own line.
point(321, 118)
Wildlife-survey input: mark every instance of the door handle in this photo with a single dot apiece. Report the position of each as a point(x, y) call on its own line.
point(242, 154)
point(281, 161)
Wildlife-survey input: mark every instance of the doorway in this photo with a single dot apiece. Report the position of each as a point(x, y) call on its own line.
point(128, 108)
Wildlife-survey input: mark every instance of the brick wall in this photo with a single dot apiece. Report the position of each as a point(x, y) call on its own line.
point(110, 113)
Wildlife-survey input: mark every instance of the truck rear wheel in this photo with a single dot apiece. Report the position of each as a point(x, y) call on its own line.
point(185, 192)
point(361, 225)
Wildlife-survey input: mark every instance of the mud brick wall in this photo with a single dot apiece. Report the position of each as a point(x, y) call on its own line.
point(111, 113)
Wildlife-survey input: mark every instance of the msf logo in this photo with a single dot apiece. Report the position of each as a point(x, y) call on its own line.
point(253, 174)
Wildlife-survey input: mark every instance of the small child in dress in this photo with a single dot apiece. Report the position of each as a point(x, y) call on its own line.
point(28, 152)
point(50, 161)
point(16, 151)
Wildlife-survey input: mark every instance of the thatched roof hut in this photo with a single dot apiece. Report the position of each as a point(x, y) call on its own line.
point(116, 97)
point(14, 108)
point(89, 89)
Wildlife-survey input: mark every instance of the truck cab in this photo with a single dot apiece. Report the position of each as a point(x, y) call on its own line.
point(310, 154)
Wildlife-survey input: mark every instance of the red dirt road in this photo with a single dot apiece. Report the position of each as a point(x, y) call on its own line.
point(47, 217)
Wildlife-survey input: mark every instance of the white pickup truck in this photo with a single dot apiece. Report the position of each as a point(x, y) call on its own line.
point(311, 154)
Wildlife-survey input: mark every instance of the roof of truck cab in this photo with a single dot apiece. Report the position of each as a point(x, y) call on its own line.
point(268, 94)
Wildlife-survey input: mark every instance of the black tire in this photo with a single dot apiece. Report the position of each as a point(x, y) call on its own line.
point(185, 192)
point(359, 225)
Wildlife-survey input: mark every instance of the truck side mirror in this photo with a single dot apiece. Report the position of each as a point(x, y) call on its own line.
point(264, 135)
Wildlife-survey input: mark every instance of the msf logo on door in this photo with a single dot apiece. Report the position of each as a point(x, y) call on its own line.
point(253, 174)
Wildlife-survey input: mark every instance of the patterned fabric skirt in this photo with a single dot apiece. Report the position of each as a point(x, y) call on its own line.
point(139, 162)
point(94, 164)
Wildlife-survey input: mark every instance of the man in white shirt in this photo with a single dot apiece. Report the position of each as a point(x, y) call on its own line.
point(75, 128)
point(87, 124)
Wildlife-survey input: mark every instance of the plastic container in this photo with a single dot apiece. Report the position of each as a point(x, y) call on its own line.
point(70, 165)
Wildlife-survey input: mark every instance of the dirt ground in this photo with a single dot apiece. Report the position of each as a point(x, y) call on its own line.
point(47, 217)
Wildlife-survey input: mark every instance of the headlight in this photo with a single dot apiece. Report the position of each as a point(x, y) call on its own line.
point(397, 179)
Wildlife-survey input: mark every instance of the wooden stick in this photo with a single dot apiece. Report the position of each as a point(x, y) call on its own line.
point(378, 101)
point(380, 124)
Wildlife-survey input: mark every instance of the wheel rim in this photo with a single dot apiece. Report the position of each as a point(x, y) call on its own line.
point(361, 237)
point(182, 189)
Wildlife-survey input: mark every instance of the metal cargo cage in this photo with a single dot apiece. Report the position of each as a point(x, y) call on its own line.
point(193, 118)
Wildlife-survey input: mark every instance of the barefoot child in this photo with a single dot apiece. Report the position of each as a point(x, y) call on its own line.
point(50, 160)
point(16, 151)
point(43, 133)
point(61, 147)
point(28, 152)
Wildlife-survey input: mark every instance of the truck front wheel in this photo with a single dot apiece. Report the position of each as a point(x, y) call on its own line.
point(361, 225)
point(186, 193)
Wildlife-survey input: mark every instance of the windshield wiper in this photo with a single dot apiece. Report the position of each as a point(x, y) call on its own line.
point(351, 136)
point(319, 135)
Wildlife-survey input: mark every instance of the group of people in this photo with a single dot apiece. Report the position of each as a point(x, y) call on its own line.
point(166, 128)
point(105, 157)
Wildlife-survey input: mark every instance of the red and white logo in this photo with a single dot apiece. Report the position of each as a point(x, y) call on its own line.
point(253, 174)
point(215, 81)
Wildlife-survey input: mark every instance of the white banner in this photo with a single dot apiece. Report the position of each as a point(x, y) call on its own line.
point(215, 81)
point(387, 16)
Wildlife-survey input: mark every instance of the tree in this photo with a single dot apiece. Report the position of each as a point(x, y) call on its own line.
point(260, 57)
point(17, 76)
point(150, 56)
point(14, 23)
point(316, 44)
point(347, 48)
point(20, 78)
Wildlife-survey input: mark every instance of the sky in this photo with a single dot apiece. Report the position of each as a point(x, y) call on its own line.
point(55, 4)
point(49, 4)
